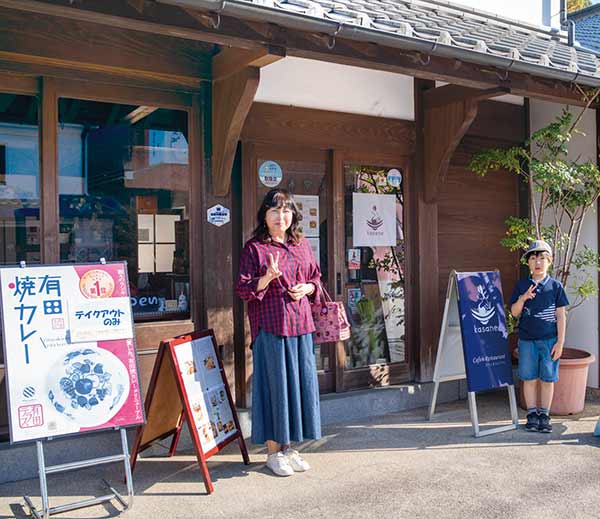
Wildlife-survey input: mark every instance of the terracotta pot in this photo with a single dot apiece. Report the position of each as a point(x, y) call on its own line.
point(569, 391)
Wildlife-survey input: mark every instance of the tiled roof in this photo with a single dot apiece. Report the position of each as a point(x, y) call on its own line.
point(587, 27)
point(456, 27)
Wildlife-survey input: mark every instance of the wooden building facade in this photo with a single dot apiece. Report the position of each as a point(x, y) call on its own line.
point(124, 121)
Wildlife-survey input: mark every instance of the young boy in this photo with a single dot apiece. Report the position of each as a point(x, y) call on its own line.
point(540, 302)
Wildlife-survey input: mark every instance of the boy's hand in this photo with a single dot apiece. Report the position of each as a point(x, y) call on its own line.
point(530, 294)
point(557, 350)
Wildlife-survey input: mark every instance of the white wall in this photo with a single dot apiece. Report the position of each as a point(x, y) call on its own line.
point(328, 86)
point(582, 327)
point(536, 12)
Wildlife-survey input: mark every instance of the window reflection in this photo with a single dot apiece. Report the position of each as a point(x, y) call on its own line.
point(124, 184)
point(375, 275)
point(19, 180)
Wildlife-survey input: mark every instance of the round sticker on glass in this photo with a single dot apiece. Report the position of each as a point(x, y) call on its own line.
point(394, 178)
point(270, 173)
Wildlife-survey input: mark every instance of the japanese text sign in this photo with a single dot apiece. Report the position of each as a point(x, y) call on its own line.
point(71, 364)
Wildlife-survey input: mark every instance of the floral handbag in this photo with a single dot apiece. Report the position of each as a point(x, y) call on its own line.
point(331, 322)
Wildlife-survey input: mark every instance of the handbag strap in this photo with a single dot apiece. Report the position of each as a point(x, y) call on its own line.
point(320, 285)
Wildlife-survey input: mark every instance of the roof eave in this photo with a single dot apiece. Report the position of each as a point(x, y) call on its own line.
point(252, 12)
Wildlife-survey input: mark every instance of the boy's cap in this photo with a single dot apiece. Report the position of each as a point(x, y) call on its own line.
point(537, 246)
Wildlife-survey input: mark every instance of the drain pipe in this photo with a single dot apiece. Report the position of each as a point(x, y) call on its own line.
point(564, 20)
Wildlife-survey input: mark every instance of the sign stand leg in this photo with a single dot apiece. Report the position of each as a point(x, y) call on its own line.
point(176, 436)
point(513, 406)
point(43, 471)
point(431, 412)
point(513, 413)
point(474, 416)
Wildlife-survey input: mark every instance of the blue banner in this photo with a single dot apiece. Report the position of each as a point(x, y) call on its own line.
point(484, 332)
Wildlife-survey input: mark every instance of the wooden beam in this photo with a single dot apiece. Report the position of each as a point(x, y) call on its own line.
point(231, 102)
point(231, 60)
point(61, 43)
point(165, 19)
point(444, 127)
point(441, 96)
point(18, 84)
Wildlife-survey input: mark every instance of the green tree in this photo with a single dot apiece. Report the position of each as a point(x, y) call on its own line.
point(575, 5)
point(562, 192)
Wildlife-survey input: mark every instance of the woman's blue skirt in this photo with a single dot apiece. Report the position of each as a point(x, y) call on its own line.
point(285, 389)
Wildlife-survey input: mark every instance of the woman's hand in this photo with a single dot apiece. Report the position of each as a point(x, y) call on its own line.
point(272, 272)
point(273, 268)
point(300, 290)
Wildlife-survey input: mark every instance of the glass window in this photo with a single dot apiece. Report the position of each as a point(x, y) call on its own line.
point(124, 195)
point(19, 180)
point(374, 280)
point(306, 180)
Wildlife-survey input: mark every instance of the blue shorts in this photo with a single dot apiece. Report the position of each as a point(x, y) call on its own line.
point(535, 360)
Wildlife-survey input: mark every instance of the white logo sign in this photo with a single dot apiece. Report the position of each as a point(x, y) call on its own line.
point(218, 215)
point(484, 309)
point(373, 220)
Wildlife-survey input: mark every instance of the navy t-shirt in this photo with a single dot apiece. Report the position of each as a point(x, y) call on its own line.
point(538, 319)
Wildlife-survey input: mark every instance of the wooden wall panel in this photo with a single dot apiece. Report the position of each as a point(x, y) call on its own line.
point(472, 212)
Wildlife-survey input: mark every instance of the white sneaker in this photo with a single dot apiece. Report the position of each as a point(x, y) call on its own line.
point(279, 464)
point(297, 462)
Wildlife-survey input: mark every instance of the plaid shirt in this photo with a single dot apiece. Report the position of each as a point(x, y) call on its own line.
point(272, 309)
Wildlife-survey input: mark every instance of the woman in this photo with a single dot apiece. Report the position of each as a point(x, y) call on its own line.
point(278, 273)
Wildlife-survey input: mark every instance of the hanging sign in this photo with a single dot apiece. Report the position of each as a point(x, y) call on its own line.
point(353, 259)
point(308, 205)
point(189, 384)
point(218, 215)
point(474, 341)
point(373, 220)
point(69, 349)
point(270, 173)
point(394, 178)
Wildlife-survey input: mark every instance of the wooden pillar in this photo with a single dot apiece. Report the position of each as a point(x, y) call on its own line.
point(196, 123)
point(217, 245)
point(48, 138)
point(426, 250)
point(337, 246)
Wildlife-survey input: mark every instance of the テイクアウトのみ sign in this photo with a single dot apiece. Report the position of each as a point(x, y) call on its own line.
point(69, 350)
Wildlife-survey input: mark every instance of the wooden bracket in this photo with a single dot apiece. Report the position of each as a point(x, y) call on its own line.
point(231, 60)
point(449, 112)
point(231, 102)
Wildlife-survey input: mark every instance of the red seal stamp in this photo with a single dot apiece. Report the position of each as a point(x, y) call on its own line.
point(31, 416)
point(96, 284)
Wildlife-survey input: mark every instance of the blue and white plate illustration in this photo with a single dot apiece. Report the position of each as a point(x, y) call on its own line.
point(88, 386)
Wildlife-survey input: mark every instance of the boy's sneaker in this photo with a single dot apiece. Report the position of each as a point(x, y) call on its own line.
point(279, 464)
point(544, 424)
point(297, 462)
point(533, 422)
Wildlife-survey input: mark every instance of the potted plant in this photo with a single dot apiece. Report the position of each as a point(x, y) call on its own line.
point(561, 193)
